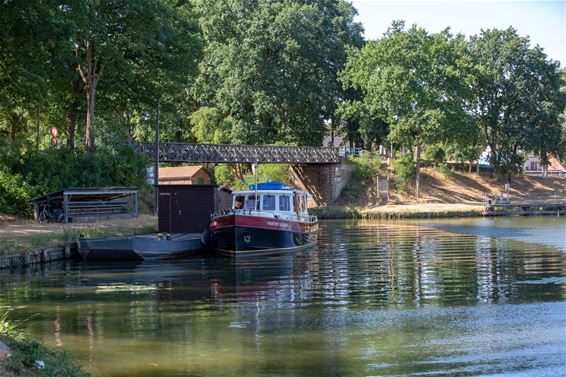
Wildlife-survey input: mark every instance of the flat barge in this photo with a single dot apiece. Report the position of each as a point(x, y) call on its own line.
point(525, 209)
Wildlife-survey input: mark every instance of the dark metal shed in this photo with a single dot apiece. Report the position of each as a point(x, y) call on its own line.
point(187, 208)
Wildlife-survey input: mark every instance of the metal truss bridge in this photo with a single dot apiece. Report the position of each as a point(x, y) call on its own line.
point(224, 153)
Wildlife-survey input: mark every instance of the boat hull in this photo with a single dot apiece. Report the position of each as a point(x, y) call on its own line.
point(141, 247)
point(235, 235)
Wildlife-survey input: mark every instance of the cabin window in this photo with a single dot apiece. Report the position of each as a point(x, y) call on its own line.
point(239, 202)
point(284, 203)
point(269, 203)
point(251, 203)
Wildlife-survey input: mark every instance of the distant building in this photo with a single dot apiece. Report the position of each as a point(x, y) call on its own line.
point(184, 175)
point(338, 141)
point(533, 165)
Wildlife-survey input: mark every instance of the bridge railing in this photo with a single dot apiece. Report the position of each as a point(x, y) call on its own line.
point(237, 153)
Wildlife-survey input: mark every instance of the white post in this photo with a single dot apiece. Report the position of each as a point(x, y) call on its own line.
point(66, 207)
point(256, 198)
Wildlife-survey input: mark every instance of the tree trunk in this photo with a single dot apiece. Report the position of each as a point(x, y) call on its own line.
point(418, 172)
point(37, 125)
point(71, 128)
point(89, 134)
point(90, 77)
point(73, 114)
point(13, 127)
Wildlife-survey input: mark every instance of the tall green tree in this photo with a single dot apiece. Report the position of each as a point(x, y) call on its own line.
point(517, 98)
point(142, 44)
point(128, 54)
point(272, 65)
point(28, 30)
point(416, 82)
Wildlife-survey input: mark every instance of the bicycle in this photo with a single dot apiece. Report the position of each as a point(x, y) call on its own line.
point(50, 214)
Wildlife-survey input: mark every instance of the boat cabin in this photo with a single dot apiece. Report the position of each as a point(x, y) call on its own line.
point(284, 202)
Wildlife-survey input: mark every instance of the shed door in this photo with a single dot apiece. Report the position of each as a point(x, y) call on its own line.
point(164, 216)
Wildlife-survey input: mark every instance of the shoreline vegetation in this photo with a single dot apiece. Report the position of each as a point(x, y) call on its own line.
point(23, 356)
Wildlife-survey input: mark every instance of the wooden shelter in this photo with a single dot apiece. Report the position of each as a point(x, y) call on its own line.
point(86, 204)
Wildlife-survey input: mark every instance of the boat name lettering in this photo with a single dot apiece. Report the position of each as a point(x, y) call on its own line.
point(273, 223)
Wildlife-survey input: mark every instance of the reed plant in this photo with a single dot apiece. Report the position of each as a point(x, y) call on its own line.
point(30, 357)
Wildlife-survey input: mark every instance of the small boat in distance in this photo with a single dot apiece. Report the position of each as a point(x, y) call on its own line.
point(270, 218)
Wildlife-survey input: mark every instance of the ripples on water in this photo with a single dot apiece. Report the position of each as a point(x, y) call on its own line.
point(374, 298)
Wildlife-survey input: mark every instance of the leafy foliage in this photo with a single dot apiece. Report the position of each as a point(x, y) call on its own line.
point(434, 155)
point(275, 172)
point(272, 65)
point(16, 194)
point(125, 54)
point(37, 173)
point(364, 176)
point(209, 125)
point(517, 97)
point(415, 81)
point(404, 168)
point(27, 351)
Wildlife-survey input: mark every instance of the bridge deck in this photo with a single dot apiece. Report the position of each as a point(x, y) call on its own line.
point(228, 153)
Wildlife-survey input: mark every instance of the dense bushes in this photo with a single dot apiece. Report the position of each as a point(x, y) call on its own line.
point(15, 194)
point(365, 174)
point(35, 173)
point(434, 155)
point(404, 168)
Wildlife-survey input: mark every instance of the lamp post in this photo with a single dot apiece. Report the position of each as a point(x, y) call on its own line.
point(156, 167)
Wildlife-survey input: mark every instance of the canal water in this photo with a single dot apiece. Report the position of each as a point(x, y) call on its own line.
point(374, 298)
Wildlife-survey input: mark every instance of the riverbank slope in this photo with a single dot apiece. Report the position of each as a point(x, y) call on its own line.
point(454, 194)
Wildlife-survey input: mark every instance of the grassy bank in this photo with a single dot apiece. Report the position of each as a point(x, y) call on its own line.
point(406, 211)
point(31, 358)
point(21, 236)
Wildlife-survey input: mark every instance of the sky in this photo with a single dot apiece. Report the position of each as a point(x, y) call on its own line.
point(543, 20)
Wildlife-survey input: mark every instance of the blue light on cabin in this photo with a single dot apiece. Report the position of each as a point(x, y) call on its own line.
point(268, 186)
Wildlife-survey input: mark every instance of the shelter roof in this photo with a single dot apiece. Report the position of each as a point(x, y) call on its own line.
point(89, 193)
point(180, 171)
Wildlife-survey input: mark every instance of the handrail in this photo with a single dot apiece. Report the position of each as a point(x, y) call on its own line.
point(309, 218)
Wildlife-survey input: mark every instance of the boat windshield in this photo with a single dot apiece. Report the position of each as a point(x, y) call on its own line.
point(284, 203)
point(268, 203)
point(250, 202)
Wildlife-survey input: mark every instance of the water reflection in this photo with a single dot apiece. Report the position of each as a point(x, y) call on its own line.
point(387, 298)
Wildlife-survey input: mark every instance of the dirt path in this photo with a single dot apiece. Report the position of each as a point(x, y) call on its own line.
point(424, 208)
point(469, 188)
point(20, 235)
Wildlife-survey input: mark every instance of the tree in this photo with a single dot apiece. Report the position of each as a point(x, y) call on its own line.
point(210, 126)
point(517, 98)
point(272, 65)
point(414, 81)
point(28, 29)
point(144, 48)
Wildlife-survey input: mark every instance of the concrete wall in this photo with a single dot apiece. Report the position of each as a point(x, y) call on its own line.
point(323, 181)
point(44, 255)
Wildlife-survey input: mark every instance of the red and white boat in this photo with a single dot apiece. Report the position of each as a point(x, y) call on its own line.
point(272, 219)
